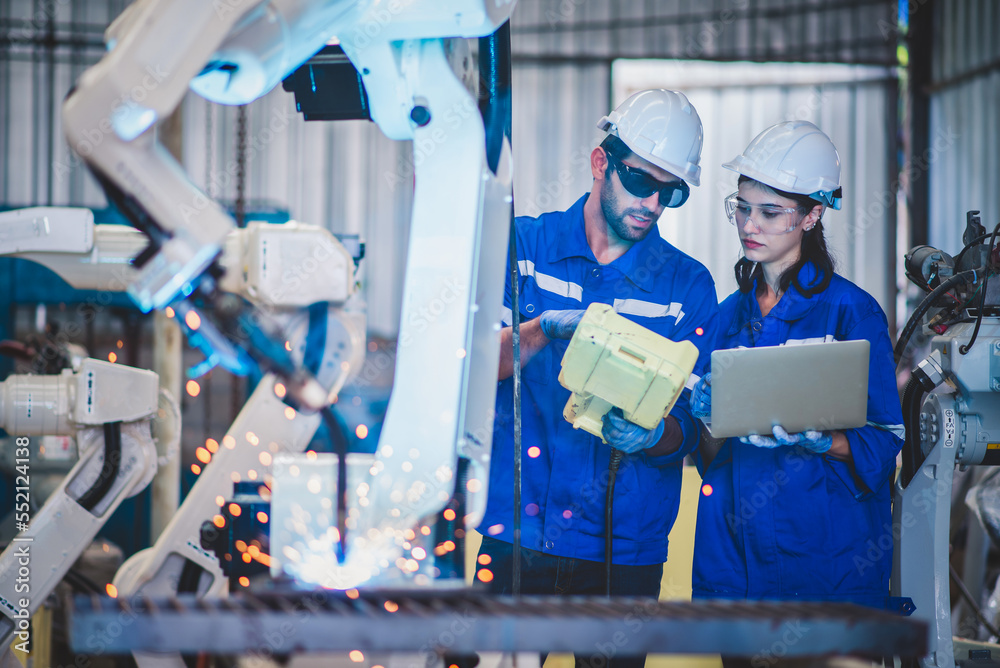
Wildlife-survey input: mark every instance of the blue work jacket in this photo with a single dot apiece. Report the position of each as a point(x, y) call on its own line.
point(783, 523)
point(564, 470)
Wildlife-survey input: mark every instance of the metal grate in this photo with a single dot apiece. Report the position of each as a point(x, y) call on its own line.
point(469, 622)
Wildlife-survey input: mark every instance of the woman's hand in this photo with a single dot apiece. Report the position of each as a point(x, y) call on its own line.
point(813, 441)
point(701, 397)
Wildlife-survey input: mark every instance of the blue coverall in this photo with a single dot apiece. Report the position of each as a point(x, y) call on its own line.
point(783, 523)
point(565, 471)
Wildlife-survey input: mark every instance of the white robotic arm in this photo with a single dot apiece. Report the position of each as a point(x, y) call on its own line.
point(445, 378)
point(108, 408)
point(299, 276)
point(288, 265)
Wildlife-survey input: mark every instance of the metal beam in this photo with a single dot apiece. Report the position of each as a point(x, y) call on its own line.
point(469, 622)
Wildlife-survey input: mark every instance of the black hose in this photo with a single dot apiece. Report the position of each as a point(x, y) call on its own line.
point(970, 599)
point(81, 582)
point(914, 322)
point(913, 456)
point(190, 577)
point(109, 469)
point(974, 242)
point(339, 443)
point(964, 349)
point(609, 504)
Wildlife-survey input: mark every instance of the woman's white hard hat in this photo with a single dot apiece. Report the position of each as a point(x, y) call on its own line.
point(794, 156)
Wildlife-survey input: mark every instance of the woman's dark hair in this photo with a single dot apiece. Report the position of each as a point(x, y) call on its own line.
point(813, 249)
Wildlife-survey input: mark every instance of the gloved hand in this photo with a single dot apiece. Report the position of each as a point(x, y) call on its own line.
point(628, 436)
point(560, 324)
point(813, 441)
point(701, 397)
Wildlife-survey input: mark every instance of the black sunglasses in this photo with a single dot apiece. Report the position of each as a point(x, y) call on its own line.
point(642, 184)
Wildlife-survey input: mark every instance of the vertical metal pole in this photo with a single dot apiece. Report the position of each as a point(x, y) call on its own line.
point(166, 486)
point(920, 42)
point(495, 104)
point(167, 363)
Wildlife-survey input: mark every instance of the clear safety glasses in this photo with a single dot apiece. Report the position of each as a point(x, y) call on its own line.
point(767, 218)
point(642, 184)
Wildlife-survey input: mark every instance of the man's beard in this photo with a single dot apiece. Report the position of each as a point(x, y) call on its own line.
point(616, 219)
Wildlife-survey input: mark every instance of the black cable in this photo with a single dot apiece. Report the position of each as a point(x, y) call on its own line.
point(967, 595)
point(339, 443)
point(81, 582)
point(914, 322)
point(109, 469)
point(913, 456)
point(190, 577)
point(964, 349)
point(609, 504)
point(968, 246)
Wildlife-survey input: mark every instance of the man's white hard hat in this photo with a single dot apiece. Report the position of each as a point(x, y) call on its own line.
point(660, 126)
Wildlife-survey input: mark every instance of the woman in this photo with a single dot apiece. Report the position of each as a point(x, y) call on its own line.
point(797, 516)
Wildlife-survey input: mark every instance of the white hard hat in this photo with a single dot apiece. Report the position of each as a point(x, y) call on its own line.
point(796, 157)
point(660, 126)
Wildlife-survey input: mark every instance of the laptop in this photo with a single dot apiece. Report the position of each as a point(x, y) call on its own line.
point(821, 386)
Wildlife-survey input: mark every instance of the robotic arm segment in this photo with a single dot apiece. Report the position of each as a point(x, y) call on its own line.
point(49, 229)
point(107, 118)
point(290, 265)
point(264, 427)
point(280, 35)
point(100, 392)
point(451, 313)
point(71, 404)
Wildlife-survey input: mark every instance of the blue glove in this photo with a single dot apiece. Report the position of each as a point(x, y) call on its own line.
point(628, 436)
point(560, 324)
point(813, 441)
point(701, 397)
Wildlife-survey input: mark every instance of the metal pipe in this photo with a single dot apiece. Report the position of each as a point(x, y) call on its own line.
point(495, 105)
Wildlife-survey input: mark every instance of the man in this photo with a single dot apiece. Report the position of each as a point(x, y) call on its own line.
point(604, 249)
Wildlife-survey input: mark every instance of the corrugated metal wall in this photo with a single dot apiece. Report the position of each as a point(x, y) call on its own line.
point(805, 31)
point(854, 104)
point(350, 178)
point(963, 156)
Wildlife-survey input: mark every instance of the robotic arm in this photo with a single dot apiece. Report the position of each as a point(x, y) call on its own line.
point(951, 407)
point(442, 403)
point(299, 277)
point(108, 408)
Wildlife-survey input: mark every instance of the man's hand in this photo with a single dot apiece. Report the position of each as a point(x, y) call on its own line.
point(628, 436)
point(813, 441)
point(560, 324)
point(701, 397)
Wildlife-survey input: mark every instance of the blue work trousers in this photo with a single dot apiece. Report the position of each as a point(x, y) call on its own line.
point(549, 575)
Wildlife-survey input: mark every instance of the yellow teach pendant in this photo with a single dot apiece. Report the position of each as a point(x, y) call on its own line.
point(611, 361)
